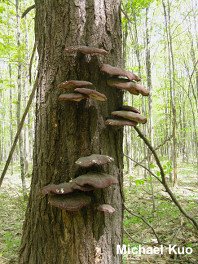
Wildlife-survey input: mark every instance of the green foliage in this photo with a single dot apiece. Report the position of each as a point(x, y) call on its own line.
point(139, 182)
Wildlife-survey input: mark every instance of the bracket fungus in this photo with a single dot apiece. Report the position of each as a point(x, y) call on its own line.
point(72, 84)
point(96, 179)
point(94, 159)
point(106, 208)
point(62, 188)
point(70, 202)
point(130, 108)
point(86, 188)
point(119, 123)
point(131, 116)
point(76, 97)
point(86, 50)
point(118, 71)
point(127, 85)
point(91, 94)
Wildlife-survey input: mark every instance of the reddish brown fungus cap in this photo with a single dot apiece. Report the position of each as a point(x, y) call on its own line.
point(94, 159)
point(86, 188)
point(86, 50)
point(58, 189)
point(119, 123)
point(73, 84)
point(70, 202)
point(131, 116)
point(127, 85)
point(92, 94)
point(106, 208)
point(130, 108)
point(118, 71)
point(96, 179)
point(76, 97)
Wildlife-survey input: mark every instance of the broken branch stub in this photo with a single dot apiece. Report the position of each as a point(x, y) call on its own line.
point(91, 94)
point(119, 123)
point(118, 71)
point(76, 97)
point(106, 208)
point(127, 85)
point(86, 50)
point(131, 116)
point(96, 179)
point(94, 159)
point(72, 84)
point(70, 202)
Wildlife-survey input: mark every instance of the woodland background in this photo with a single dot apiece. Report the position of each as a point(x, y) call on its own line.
point(160, 44)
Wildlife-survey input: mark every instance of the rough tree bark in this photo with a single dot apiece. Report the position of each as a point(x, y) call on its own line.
point(66, 131)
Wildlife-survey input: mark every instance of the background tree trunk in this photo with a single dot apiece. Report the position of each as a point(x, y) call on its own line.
point(21, 150)
point(66, 131)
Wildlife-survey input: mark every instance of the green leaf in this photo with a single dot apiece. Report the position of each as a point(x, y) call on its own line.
point(150, 179)
point(158, 173)
point(139, 182)
point(152, 166)
point(168, 163)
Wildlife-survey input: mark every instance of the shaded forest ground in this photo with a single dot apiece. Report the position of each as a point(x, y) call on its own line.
point(165, 218)
point(170, 225)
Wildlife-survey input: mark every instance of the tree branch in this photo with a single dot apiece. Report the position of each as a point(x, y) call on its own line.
point(19, 131)
point(139, 216)
point(31, 61)
point(143, 167)
point(159, 146)
point(174, 199)
point(27, 11)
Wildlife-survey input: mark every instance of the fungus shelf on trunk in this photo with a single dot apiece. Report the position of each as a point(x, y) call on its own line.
point(118, 71)
point(106, 208)
point(72, 84)
point(70, 202)
point(94, 159)
point(119, 123)
point(64, 188)
point(127, 85)
point(130, 108)
point(91, 94)
point(76, 97)
point(96, 180)
point(86, 50)
point(130, 116)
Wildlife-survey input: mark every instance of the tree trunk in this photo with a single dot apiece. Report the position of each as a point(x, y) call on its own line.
point(11, 121)
point(21, 150)
point(172, 87)
point(66, 131)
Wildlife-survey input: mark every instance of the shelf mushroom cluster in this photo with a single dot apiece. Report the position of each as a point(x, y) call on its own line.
point(79, 87)
point(80, 93)
point(71, 195)
point(127, 115)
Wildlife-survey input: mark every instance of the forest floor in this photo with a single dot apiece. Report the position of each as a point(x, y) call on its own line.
point(157, 209)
